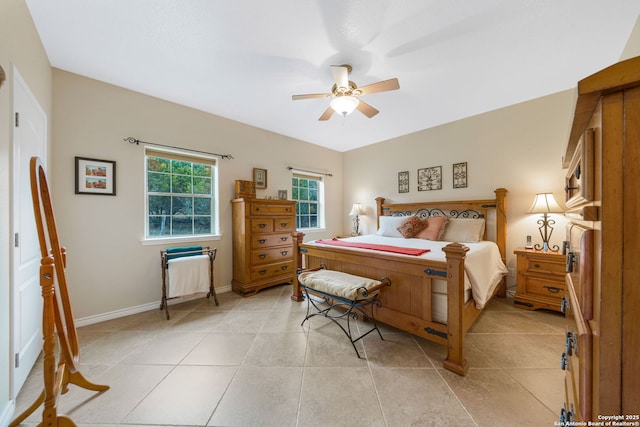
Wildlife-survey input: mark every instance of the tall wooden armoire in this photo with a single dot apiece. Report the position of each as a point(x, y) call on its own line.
point(602, 305)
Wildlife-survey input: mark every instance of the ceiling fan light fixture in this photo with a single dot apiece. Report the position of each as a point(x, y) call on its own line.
point(344, 104)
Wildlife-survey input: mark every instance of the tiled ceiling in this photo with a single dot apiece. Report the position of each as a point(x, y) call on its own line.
point(244, 59)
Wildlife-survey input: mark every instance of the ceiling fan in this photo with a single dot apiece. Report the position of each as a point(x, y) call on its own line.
point(346, 94)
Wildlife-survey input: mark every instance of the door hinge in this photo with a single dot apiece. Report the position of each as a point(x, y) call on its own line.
point(17, 362)
point(16, 240)
point(17, 119)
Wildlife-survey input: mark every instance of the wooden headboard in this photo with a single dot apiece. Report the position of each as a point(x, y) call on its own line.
point(456, 209)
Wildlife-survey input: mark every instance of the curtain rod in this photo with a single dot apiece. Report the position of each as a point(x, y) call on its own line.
point(304, 170)
point(132, 140)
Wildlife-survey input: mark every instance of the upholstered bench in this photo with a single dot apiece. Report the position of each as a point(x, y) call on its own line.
point(342, 290)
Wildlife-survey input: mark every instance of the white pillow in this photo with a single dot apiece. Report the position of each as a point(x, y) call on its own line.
point(464, 230)
point(389, 226)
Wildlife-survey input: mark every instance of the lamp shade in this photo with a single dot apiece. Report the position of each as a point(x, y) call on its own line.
point(344, 104)
point(545, 203)
point(356, 209)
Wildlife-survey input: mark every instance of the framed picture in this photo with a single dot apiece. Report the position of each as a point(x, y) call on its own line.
point(403, 182)
point(95, 176)
point(260, 177)
point(460, 175)
point(430, 178)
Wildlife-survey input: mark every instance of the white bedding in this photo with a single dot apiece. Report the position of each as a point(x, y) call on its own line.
point(483, 265)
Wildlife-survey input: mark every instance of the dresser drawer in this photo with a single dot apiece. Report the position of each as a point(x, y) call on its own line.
point(578, 352)
point(267, 256)
point(270, 240)
point(271, 209)
point(261, 225)
point(284, 224)
point(553, 286)
point(263, 272)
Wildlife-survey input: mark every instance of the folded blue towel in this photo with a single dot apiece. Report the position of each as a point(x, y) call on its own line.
point(173, 253)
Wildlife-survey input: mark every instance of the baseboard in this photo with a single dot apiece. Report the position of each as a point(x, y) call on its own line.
point(103, 317)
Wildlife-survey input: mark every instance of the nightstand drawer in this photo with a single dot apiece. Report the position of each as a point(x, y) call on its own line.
point(550, 287)
point(540, 265)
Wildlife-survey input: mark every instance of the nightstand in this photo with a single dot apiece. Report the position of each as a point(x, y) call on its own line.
point(541, 279)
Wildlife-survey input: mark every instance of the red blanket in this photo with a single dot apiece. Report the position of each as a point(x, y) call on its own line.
point(372, 246)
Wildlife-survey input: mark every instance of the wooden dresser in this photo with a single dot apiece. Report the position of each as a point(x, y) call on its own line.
point(541, 282)
point(601, 355)
point(262, 244)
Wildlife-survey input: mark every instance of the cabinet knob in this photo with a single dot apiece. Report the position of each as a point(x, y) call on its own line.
point(262, 241)
point(284, 253)
point(553, 289)
point(536, 265)
point(284, 239)
point(283, 224)
point(262, 225)
point(262, 256)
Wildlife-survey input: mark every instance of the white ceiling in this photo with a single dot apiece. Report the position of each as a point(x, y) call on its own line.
point(243, 59)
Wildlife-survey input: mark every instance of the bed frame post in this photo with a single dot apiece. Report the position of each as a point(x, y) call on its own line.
point(296, 294)
point(501, 234)
point(379, 202)
point(455, 361)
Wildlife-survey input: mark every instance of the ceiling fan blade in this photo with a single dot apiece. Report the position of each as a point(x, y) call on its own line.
point(383, 86)
point(326, 115)
point(367, 109)
point(340, 75)
point(310, 96)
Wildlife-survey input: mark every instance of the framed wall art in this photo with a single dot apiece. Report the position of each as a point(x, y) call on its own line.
point(460, 175)
point(403, 182)
point(260, 177)
point(430, 178)
point(95, 176)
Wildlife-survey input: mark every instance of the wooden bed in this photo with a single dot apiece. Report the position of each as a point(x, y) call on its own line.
point(407, 305)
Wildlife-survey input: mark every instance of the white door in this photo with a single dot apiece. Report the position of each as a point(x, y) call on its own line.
point(29, 139)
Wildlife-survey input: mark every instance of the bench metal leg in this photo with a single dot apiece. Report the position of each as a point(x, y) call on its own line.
point(353, 307)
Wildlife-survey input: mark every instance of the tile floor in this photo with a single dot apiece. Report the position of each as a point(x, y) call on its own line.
point(248, 362)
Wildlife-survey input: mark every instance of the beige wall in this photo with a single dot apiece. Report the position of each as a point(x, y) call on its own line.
point(109, 269)
point(518, 148)
point(632, 49)
point(20, 47)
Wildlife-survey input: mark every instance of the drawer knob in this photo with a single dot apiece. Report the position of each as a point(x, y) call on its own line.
point(262, 225)
point(262, 271)
point(262, 256)
point(284, 253)
point(283, 224)
point(284, 267)
point(262, 241)
point(536, 265)
point(284, 239)
point(553, 289)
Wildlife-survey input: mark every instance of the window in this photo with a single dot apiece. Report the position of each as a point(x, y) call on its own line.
point(181, 194)
point(308, 192)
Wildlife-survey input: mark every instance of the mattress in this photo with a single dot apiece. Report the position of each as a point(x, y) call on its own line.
point(483, 267)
